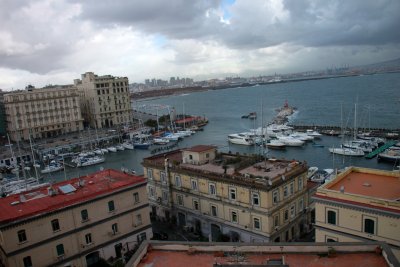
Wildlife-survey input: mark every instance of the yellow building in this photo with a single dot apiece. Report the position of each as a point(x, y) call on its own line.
point(360, 205)
point(43, 113)
point(76, 222)
point(105, 100)
point(229, 197)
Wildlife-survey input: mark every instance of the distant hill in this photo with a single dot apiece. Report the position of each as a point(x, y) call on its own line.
point(393, 64)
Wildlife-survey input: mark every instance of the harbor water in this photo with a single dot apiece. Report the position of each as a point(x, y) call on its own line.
point(328, 102)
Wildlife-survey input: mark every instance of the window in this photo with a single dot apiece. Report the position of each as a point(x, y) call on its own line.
point(275, 197)
point(232, 193)
point(291, 188)
point(300, 183)
point(111, 206)
point(84, 215)
point(301, 205)
point(88, 238)
point(214, 211)
point(196, 205)
point(285, 192)
point(55, 225)
point(178, 182)
point(369, 226)
point(165, 196)
point(331, 217)
point(194, 184)
point(212, 190)
point(256, 199)
point(152, 193)
point(114, 228)
point(60, 250)
point(138, 219)
point(27, 261)
point(292, 211)
point(162, 177)
point(180, 200)
point(21, 236)
point(149, 173)
point(234, 217)
point(136, 197)
point(286, 215)
point(276, 220)
point(256, 223)
point(141, 237)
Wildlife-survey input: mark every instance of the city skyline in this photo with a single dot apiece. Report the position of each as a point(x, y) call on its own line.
point(53, 42)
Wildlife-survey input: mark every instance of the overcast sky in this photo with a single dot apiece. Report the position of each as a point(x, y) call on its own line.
point(55, 41)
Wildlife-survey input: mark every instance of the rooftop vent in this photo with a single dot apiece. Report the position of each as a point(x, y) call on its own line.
point(283, 177)
point(366, 184)
point(51, 191)
point(342, 189)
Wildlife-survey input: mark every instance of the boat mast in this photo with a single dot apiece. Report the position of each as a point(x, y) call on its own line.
point(355, 122)
point(33, 157)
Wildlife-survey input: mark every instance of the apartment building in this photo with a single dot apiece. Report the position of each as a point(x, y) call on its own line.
point(42, 113)
point(229, 197)
point(76, 222)
point(105, 100)
point(360, 204)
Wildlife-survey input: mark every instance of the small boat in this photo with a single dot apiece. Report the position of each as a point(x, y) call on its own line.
point(275, 144)
point(98, 152)
point(390, 155)
point(311, 171)
point(87, 161)
point(128, 145)
point(120, 147)
point(141, 145)
point(104, 150)
point(112, 149)
point(241, 139)
point(251, 116)
point(320, 176)
point(313, 133)
point(160, 141)
point(347, 151)
point(52, 167)
point(290, 141)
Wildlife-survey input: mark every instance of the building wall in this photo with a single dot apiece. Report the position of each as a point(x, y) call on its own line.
point(42, 240)
point(350, 222)
point(42, 113)
point(105, 100)
point(166, 195)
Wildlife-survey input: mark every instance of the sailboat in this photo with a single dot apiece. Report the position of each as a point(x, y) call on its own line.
point(345, 151)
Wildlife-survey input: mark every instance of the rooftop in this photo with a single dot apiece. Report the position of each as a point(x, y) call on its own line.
point(177, 254)
point(68, 193)
point(370, 183)
point(246, 169)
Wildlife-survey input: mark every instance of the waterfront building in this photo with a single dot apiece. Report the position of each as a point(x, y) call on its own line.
point(75, 222)
point(42, 113)
point(360, 204)
point(160, 254)
point(105, 100)
point(229, 196)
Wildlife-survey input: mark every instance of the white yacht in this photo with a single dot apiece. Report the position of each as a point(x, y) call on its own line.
point(313, 133)
point(87, 161)
point(275, 144)
point(112, 149)
point(52, 167)
point(104, 150)
point(127, 145)
point(311, 171)
point(240, 139)
point(347, 151)
point(290, 141)
point(98, 152)
point(302, 136)
point(120, 147)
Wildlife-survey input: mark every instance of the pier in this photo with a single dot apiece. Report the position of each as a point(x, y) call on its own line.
point(380, 149)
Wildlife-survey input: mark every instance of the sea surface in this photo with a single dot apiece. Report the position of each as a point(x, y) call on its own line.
point(328, 102)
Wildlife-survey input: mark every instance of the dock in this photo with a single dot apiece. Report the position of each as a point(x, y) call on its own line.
point(380, 149)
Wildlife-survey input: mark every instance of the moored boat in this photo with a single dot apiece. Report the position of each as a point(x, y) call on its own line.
point(53, 166)
point(240, 139)
point(87, 161)
point(347, 151)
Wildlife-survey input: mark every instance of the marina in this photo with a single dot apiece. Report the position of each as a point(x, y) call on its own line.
point(224, 118)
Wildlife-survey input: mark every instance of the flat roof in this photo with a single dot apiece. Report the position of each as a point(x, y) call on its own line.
point(38, 201)
point(199, 148)
point(245, 254)
point(370, 184)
